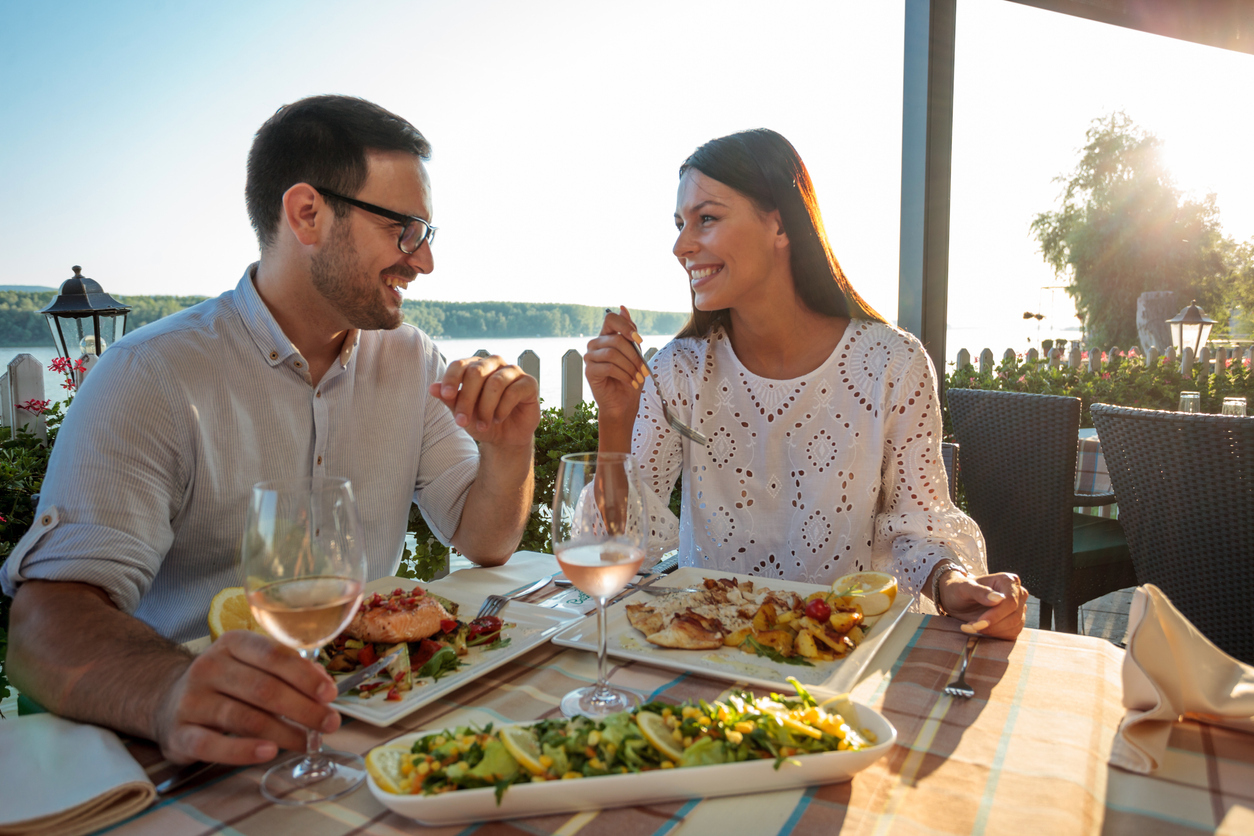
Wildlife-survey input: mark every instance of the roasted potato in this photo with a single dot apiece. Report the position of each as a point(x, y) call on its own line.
point(737, 638)
point(780, 640)
point(804, 645)
point(843, 622)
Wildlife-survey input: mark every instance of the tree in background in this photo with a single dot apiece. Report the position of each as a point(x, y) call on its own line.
point(1124, 228)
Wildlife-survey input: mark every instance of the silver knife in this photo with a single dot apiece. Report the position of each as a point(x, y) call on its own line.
point(350, 682)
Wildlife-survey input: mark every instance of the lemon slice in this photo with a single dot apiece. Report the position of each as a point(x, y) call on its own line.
point(229, 611)
point(522, 744)
point(386, 763)
point(655, 730)
point(875, 591)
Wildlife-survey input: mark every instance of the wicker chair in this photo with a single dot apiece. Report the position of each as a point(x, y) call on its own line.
point(949, 455)
point(1186, 499)
point(1018, 470)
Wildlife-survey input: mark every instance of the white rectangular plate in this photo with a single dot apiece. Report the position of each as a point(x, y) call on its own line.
point(534, 626)
point(549, 797)
point(731, 663)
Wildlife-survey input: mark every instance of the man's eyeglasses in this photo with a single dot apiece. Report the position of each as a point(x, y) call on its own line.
point(413, 230)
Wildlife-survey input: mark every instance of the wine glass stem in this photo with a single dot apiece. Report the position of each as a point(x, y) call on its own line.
point(601, 643)
point(313, 737)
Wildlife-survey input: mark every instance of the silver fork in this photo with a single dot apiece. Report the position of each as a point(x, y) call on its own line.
point(493, 604)
point(677, 425)
point(959, 687)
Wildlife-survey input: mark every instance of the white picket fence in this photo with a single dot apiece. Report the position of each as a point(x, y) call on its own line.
point(23, 384)
point(1206, 358)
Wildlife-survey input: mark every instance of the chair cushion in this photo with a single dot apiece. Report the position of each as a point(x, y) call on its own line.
point(1097, 541)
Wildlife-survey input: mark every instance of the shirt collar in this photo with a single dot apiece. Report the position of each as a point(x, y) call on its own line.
point(265, 331)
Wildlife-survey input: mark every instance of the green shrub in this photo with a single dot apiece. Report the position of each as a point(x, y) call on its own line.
point(1124, 381)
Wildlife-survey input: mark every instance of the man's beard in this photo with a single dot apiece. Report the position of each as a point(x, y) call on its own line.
point(337, 277)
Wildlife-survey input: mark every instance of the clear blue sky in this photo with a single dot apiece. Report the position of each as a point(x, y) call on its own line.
point(558, 129)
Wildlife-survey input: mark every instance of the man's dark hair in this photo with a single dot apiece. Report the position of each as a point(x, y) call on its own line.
point(322, 141)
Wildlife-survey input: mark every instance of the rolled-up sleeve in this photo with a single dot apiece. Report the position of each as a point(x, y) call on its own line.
point(115, 481)
point(448, 465)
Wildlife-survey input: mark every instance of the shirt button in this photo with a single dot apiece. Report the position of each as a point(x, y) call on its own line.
point(274, 355)
point(320, 460)
point(296, 364)
point(318, 394)
point(46, 519)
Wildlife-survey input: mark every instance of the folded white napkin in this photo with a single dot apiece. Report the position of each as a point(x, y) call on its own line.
point(520, 569)
point(62, 778)
point(1172, 670)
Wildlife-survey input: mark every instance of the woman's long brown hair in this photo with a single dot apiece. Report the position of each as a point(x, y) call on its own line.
point(764, 167)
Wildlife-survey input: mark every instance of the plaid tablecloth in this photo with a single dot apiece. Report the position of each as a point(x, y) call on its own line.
point(1091, 475)
point(1026, 755)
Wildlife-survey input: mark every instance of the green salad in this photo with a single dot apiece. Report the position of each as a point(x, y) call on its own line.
point(740, 727)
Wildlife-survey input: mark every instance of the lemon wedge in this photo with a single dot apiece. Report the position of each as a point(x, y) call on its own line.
point(386, 765)
point(229, 611)
point(874, 591)
point(655, 730)
point(522, 744)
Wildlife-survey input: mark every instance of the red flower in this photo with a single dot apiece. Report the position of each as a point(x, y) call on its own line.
point(79, 366)
point(59, 364)
point(35, 406)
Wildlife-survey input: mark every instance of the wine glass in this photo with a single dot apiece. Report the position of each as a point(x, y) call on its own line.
point(1190, 402)
point(304, 567)
point(599, 536)
point(1233, 406)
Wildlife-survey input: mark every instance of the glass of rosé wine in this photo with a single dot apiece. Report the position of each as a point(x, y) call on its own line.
point(304, 567)
point(599, 536)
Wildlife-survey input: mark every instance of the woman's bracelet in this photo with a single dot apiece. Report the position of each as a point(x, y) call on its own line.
point(941, 571)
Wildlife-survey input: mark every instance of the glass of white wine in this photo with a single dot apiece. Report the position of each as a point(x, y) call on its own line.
point(599, 536)
point(304, 568)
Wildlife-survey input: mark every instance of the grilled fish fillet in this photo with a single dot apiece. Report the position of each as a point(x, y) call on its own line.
point(701, 620)
point(407, 617)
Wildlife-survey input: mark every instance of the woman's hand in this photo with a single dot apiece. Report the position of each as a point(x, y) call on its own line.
point(992, 605)
point(615, 370)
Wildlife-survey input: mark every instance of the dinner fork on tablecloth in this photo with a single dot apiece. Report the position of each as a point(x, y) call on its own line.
point(959, 687)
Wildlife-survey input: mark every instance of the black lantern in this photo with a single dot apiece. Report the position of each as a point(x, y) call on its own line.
point(1190, 329)
point(83, 318)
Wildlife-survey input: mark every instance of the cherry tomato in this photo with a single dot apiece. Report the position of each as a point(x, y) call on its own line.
point(484, 630)
point(447, 625)
point(819, 610)
point(367, 656)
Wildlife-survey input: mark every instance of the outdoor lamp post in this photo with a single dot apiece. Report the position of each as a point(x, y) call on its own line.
point(84, 319)
point(1190, 329)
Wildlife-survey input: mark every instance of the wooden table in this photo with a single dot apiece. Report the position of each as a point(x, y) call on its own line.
point(1026, 755)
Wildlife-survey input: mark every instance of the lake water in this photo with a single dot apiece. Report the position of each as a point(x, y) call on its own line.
point(550, 350)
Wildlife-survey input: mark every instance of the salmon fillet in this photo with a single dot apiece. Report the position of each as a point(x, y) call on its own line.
point(404, 616)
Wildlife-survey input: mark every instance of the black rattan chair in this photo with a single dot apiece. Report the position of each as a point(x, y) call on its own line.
point(1018, 471)
point(949, 456)
point(1186, 499)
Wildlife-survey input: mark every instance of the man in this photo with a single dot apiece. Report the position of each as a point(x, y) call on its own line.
point(303, 369)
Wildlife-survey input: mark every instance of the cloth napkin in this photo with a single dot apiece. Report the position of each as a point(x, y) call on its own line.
point(520, 569)
point(62, 778)
point(1172, 670)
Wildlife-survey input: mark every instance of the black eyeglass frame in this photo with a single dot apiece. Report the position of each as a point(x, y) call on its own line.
point(404, 220)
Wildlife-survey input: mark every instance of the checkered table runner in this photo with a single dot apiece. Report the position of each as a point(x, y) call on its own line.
point(1026, 755)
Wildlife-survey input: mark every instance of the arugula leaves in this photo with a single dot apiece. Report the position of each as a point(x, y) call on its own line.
point(774, 655)
point(443, 663)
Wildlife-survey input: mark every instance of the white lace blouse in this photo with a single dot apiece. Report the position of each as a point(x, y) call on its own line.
point(807, 479)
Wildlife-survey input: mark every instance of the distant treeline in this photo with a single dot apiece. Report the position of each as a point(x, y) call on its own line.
point(21, 324)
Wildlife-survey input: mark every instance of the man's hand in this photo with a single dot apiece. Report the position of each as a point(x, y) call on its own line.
point(497, 403)
point(74, 652)
point(228, 704)
point(992, 605)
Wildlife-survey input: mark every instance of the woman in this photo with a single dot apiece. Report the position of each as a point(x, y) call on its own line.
point(823, 421)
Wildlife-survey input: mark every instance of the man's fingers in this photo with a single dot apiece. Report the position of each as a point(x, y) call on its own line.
point(191, 743)
point(262, 653)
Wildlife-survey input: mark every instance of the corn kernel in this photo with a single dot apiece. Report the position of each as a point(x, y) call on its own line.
point(734, 737)
point(668, 764)
point(687, 742)
point(671, 721)
point(545, 761)
point(842, 746)
point(677, 736)
point(594, 737)
point(689, 712)
point(423, 768)
point(596, 763)
point(610, 749)
point(745, 726)
point(571, 776)
point(441, 740)
point(407, 766)
point(463, 765)
point(667, 712)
